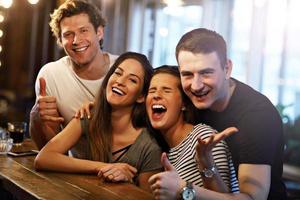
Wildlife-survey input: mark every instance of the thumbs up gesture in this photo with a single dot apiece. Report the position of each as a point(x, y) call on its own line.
point(47, 106)
point(166, 185)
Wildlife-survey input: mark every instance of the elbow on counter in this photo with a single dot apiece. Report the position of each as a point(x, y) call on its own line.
point(39, 162)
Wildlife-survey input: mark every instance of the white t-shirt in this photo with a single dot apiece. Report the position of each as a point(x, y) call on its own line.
point(70, 90)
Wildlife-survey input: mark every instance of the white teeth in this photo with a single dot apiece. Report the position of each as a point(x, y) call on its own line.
point(118, 91)
point(80, 49)
point(201, 94)
point(158, 106)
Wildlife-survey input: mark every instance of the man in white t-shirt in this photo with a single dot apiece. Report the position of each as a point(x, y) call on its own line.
point(64, 85)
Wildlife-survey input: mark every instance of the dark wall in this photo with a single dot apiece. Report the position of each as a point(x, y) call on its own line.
point(27, 44)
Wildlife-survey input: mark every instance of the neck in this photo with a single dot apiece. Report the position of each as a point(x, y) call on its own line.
point(121, 120)
point(223, 101)
point(177, 133)
point(96, 69)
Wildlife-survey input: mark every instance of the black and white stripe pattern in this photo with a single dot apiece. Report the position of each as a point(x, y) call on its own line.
point(183, 158)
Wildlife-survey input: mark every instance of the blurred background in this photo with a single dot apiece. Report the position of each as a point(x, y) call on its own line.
point(262, 38)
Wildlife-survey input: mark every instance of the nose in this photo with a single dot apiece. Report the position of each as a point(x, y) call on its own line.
point(157, 95)
point(77, 38)
point(121, 80)
point(197, 83)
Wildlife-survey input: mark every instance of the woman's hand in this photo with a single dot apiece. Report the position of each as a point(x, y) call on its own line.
point(204, 156)
point(85, 110)
point(116, 172)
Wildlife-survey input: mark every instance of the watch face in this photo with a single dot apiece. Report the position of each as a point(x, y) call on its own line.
point(208, 173)
point(188, 194)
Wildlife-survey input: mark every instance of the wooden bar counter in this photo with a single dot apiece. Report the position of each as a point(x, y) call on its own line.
point(18, 177)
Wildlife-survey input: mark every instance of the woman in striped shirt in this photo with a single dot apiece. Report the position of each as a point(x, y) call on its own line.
point(198, 157)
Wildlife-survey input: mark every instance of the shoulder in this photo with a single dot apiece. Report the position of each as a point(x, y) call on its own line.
point(246, 100)
point(112, 58)
point(55, 67)
point(146, 143)
point(247, 95)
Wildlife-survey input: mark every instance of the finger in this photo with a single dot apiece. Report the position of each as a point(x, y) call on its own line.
point(210, 143)
point(42, 86)
point(224, 134)
point(77, 114)
point(100, 175)
point(228, 132)
point(108, 172)
point(132, 169)
point(166, 163)
point(120, 177)
point(47, 100)
point(53, 119)
point(199, 146)
point(152, 180)
point(82, 111)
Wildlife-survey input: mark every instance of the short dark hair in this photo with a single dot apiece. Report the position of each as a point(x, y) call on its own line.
point(205, 41)
point(75, 7)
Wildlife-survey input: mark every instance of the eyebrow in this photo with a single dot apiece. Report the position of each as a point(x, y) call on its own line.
point(207, 69)
point(131, 74)
point(164, 88)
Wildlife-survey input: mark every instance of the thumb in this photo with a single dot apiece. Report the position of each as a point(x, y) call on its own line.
point(166, 163)
point(42, 86)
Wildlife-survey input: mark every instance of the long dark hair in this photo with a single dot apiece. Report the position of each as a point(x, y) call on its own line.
point(100, 129)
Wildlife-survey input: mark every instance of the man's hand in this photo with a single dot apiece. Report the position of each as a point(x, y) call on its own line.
point(44, 118)
point(166, 185)
point(116, 172)
point(85, 110)
point(204, 147)
point(46, 105)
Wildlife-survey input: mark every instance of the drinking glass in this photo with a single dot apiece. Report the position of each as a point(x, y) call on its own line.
point(17, 131)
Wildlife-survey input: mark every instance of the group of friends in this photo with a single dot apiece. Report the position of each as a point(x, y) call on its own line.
point(180, 132)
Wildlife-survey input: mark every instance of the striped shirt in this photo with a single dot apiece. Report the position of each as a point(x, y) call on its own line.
point(183, 159)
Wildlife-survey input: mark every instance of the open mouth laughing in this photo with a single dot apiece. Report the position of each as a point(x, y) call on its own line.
point(158, 110)
point(200, 94)
point(118, 91)
point(79, 49)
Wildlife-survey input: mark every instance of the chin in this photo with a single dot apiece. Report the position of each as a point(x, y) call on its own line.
point(201, 105)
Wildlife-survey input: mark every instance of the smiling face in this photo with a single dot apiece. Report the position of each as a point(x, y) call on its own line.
point(125, 85)
point(204, 80)
point(164, 102)
point(80, 40)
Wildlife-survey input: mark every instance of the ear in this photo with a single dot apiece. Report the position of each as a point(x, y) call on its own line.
point(140, 99)
point(228, 69)
point(100, 32)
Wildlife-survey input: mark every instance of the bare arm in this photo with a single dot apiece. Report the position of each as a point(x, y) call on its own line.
point(205, 159)
point(52, 156)
point(254, 183)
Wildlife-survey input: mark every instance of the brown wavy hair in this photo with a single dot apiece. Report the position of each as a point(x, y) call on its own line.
point(100, 129)
point(75, 7)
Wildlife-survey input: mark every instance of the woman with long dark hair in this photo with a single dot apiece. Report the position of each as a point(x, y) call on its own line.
point(117, 147)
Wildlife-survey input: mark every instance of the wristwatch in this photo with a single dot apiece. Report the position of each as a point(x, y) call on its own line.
point(209, 172)
point(188, 192)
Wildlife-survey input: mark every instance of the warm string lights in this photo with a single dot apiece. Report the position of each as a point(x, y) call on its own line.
point(9, 3)
point(6, 4)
